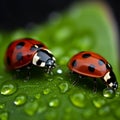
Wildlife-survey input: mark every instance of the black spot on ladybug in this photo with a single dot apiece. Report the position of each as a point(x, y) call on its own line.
point(108, 66)
point(86, 55)
point(20, 45)
point(39, 62)
point(91, 68)
point(74, 63)
point(33, 48)
point(8, 61)
point(36, 47)
point(101, 62)
point(19, 56)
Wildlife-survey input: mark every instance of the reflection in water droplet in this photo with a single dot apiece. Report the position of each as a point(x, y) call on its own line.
point(2, 105)
point(8, 88)
point(31, 107)
point(98, 102)
point(59, 71)
point(63, 87)
point(54, 103)
point(20, 100)
point(46, 91)
point(3, 116)
point(78, 99)
point(108, 93)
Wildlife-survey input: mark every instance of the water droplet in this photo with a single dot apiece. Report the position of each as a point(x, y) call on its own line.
point(8, 88)
point(42, 109)
point(46, 91)
point(78, 99)
point(54, 103)
point(59, 71)
point(2, 105)
point(63, 87)
point(20, 100)
point(3, 116)
point(98, 102)
point(37, 96)
point(108, 93)
point(31, 107)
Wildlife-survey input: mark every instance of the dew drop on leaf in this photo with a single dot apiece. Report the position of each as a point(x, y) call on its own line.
point(54, 103)
point(98, 102)
point(78, 100)
point(59, 71)
point(108, 93)
point(4, 116)
point(30, 108)
point(37, 96)
point(46, 91)
point(8, 88)
point(63, 87)
point(41, 109)
point(20, 100)
point(2, 105)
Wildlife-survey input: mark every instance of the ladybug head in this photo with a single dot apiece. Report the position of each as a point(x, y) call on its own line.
point(110, 80)
point(44, 58)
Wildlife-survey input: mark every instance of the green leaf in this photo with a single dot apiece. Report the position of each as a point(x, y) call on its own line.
point(59, 96)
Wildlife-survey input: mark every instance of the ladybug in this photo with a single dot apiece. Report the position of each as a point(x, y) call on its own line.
point(93, 65)
point(26, 52)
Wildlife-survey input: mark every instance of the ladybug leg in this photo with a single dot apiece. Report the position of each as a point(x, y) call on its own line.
point(95, 86)
point(17, 72)
point(28, 72)
point(81, 76)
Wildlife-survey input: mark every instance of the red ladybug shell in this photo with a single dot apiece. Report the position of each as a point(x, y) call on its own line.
point(20, 52)
point(89, 64)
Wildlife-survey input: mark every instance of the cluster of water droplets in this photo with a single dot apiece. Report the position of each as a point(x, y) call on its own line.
point(31, 107)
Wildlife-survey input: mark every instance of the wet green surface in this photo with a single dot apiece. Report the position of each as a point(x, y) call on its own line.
point(60, 96)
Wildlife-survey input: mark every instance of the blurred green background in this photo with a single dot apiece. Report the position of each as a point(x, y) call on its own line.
point(83, 26)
